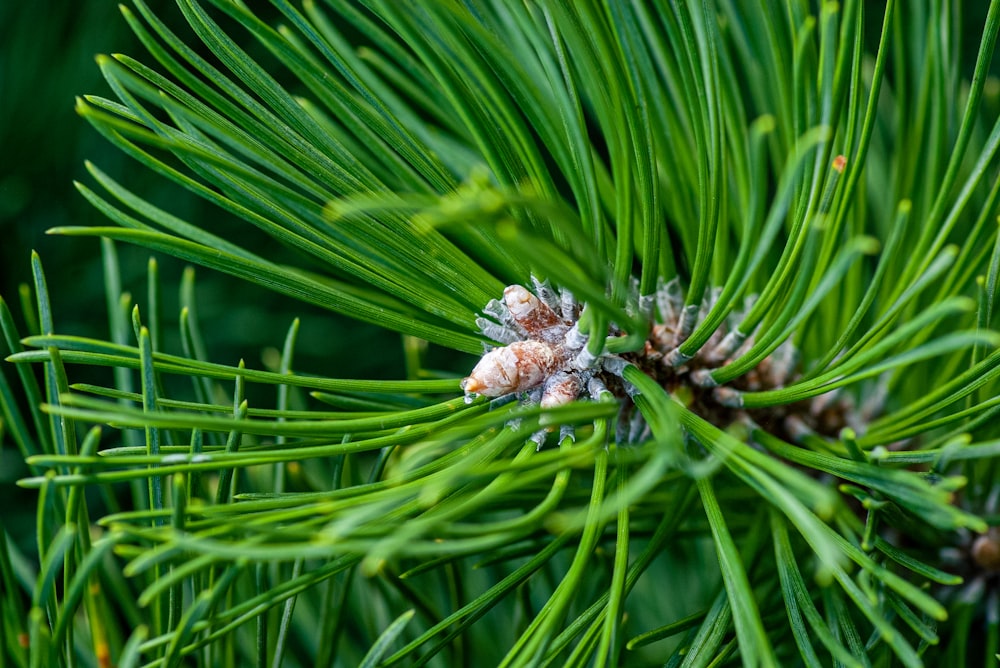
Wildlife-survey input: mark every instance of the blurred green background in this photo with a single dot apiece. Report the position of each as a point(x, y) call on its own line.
point(47, 51)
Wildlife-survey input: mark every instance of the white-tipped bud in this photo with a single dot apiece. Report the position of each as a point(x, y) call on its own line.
point(560, 389)
point(520, 366)
point(528, 310)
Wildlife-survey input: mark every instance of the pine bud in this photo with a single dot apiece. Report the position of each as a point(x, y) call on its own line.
point(520, 366)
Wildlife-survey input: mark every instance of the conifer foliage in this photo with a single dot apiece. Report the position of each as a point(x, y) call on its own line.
point(714, 283)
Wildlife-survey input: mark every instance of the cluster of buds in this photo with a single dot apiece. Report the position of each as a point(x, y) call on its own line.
point(545, 356)
point(545, 360)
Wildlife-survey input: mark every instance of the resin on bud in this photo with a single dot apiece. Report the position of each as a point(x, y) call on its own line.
point(532, 314)
point(560, 389)
point(521, 366)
